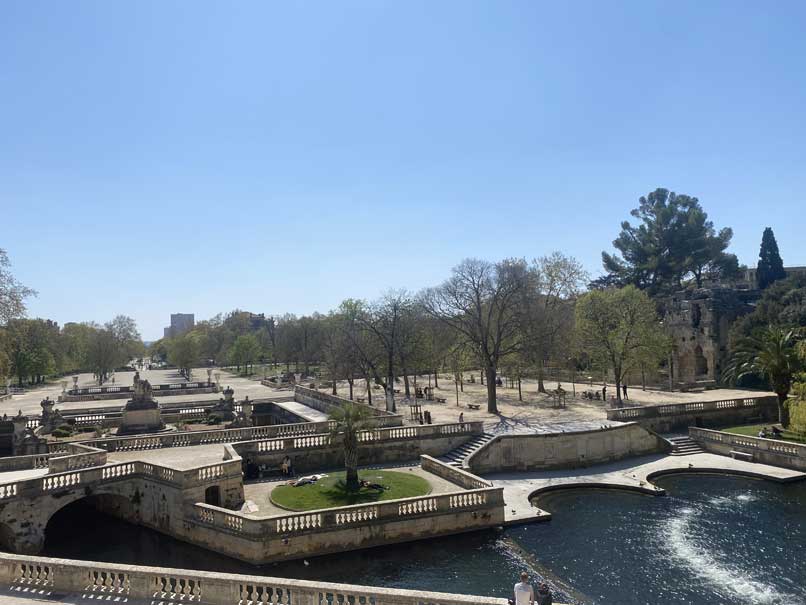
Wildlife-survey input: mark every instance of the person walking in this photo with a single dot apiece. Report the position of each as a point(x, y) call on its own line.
point(604, 392)
point(524, 593)
point(624, 390)
point(543, 595)
point(461, 417)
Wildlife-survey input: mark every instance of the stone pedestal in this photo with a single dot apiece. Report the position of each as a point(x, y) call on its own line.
point(142, 413)
point(141, 420)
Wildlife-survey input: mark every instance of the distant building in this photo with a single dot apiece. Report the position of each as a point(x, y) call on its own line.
point(180, 323)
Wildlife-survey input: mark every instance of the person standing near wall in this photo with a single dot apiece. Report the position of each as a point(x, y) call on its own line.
point(524, 593)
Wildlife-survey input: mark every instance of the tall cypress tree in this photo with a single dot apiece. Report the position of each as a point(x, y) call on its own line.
point(770, 266)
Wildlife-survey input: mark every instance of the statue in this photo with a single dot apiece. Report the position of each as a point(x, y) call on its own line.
point(51, 418)
point(224, 410)
point(244, 417)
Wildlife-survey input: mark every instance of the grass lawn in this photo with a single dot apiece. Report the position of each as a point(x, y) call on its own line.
point(330, 491)
point(751, 430)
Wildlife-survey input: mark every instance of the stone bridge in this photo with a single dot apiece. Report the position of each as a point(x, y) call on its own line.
point(141, 492)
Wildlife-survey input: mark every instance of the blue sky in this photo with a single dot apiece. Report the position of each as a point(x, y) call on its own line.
point(164, 157)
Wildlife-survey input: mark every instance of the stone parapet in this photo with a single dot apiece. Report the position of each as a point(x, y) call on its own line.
point(453, 474)
point(77, 457)
point(696, 413)
point(768, 451)
point(110, 581)
point(564, 450)
point(325, 403)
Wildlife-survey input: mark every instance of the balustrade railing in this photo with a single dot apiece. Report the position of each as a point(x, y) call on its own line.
point(118, 583)
point(325, 520)
point(369, 436)
point(775, 446)
point(693, 407)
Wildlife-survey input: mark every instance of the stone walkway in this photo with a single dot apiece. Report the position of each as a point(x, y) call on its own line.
point(634, 474)
point(300, 409)
point(179, 458)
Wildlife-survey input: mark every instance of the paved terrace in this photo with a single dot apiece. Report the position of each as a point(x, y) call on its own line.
point(633, 474)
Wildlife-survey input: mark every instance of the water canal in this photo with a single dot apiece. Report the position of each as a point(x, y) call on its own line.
point(713, 540)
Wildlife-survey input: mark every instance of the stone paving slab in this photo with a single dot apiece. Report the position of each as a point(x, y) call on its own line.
point(633, 473)
point(31, 473)
point(300, 409)
point(179, 458)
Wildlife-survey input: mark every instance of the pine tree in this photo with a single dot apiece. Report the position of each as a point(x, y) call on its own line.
point(770, 266)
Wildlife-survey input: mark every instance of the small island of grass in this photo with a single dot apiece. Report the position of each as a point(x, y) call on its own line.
point(332, 491)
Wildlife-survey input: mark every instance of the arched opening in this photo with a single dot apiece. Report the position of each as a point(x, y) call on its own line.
point(212, 495)
point(700, 362)
point(7, 538)
point(69, 527)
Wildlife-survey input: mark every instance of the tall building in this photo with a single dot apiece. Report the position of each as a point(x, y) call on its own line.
point(180, 323)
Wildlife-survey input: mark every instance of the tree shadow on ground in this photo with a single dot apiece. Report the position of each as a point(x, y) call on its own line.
point(339, 492)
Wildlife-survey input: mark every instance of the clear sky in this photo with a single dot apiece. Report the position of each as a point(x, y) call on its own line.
point(160, 157)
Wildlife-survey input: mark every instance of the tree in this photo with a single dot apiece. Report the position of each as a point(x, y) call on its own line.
point(12, 292)
point(348, 419)
point(244, 351)
point(674, 240)
point(770, 267)
point(619, 329)
point(480, 301)
point(103, 353)
point(555, 282)
point(771, 353)
point(184, 352)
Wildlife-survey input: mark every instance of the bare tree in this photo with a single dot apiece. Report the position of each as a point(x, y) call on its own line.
point(12, 292)
point(480, 301)
point(547, 312)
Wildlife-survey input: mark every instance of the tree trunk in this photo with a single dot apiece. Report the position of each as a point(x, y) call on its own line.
point(406, 383)
point(436, 380)
point(390, 393)
point(492, 405)
point(783, 410)
point(520, 393)
point(462, 382)
point(369, 391)
point(350, 382)
point(481, 376)
point(334, 388)
point(540, 371)
point(351, 463)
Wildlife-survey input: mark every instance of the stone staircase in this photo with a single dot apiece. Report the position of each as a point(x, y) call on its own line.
point(458, 456)
point(685, 446)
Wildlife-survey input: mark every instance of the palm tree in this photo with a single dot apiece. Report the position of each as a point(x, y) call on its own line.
point(348, 419)
point(772, 355)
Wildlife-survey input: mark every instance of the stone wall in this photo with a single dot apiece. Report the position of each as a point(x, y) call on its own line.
point(135, 583)
point(767, 451)
point(325, 403)
point(564, 450)
point(699, 322)
point(724, 412)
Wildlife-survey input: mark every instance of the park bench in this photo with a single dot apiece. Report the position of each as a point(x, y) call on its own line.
point(441, 400)
point(474, 406)
point(737, 455)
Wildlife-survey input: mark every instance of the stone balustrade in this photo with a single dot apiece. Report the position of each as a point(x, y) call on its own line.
point(78, 457)
point(332, 519)
point(676, 415)
point(453, 474)
point(188, 438)
point(129, 388)
point(35, 487)
point(117, 583)
point(378, 435)
point(769, 451)
point(22, 463)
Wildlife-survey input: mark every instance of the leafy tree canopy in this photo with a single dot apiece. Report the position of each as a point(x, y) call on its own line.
point(673, 241)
